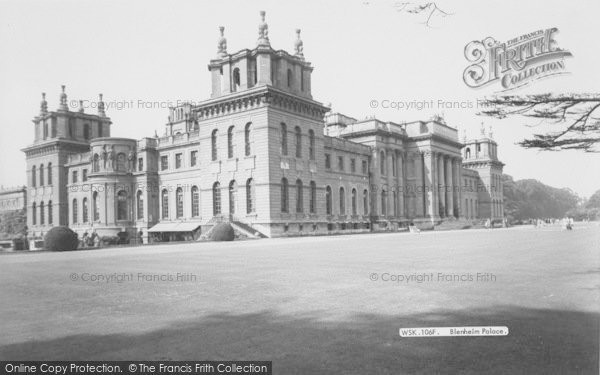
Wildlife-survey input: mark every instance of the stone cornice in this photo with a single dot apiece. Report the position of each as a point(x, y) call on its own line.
point(258, 97)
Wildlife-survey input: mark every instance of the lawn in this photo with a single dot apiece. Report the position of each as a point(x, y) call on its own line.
point(310, 306)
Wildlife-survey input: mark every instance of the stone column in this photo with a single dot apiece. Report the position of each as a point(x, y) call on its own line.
point(389, 174)
point(430, 190)
point(449, 187)
point(441, 186)
point(458, 185)
point(401, 189)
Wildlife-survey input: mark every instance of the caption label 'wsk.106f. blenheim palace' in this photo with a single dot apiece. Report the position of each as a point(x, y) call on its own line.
point(260, 153)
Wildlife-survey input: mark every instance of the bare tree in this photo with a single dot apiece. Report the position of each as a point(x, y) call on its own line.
point(574, 116)
point(430, 9)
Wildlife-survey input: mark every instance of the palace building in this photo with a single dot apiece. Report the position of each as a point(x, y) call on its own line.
point(260, 153)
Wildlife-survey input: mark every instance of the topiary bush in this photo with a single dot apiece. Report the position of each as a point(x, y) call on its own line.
point(61, 239)
point(222, 232)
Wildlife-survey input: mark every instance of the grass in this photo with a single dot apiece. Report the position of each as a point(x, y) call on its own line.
point(308, 304)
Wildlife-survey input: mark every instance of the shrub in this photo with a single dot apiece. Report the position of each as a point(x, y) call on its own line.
point(61, 239)
point(109, 240)
point(222, 232)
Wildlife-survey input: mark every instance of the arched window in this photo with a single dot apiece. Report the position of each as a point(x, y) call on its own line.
point(365, 202)
point(96, 206)
point(216, 199)
point(468, 153)
point(49, 173)
point(139, 203)
point(250, 198)
point(34, 214)
point(195, 201)
point(230, 142)
point(232, 197)
point(313, 197)
point(74, 209)
point(122, 213)
point(213, 142)
point(383, 202)
point(41, 174)
point(42, 213)
point(247, 145)
point(311, 144)
point(165, 204)
point(236, 79)
point(382, 162)
point(284, 195)
point(33, 176)
point(96, 163)
point(86, 131)
point(298, 142)
point(299, 196)
point(179, 202)
point(85, 210)
point(121, 162)
point(284, 148)
point(290, 78)
point(342, 201)
point(50, 212)
point(328, 200)
point(354, 201)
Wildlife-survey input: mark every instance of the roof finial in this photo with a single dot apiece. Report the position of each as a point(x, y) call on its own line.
point(464, 135)
point(101, 106)
point(43, 105)
point(482, 129)
point(222, 44)
point(299, 45)
point(263, 31)
point(63, 100)
point(81, 106)
point(491, 133)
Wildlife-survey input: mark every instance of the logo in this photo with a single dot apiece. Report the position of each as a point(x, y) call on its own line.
point(514, 63)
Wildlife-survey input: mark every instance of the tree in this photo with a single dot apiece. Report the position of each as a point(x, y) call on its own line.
point(429, 9)
point(574, 119)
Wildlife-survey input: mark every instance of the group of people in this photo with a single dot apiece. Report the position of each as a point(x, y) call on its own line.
point(566, 222)
point(90, 241)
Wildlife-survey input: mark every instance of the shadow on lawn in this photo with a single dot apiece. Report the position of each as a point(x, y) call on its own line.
point(540, 342)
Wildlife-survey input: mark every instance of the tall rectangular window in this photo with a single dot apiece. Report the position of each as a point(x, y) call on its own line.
point(341, 163)
point(178, 161)
point(327, 161)
point(84, 175)
point(140, 164)
point(352, 165)
point(74, 177)
point(364, 167)
point(164, 162)
point(193, 158)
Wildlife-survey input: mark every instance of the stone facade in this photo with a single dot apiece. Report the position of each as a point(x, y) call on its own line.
point(261, 153)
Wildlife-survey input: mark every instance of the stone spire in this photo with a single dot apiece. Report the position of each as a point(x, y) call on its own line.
point(63, 100)
point(222, 44)
point(299, 45)
point(490, 132)
point(263, 32)
point(43, 105)
point(101, 106)
point(81, 106)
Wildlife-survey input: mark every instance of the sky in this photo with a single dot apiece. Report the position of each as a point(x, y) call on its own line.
point(145, 55)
